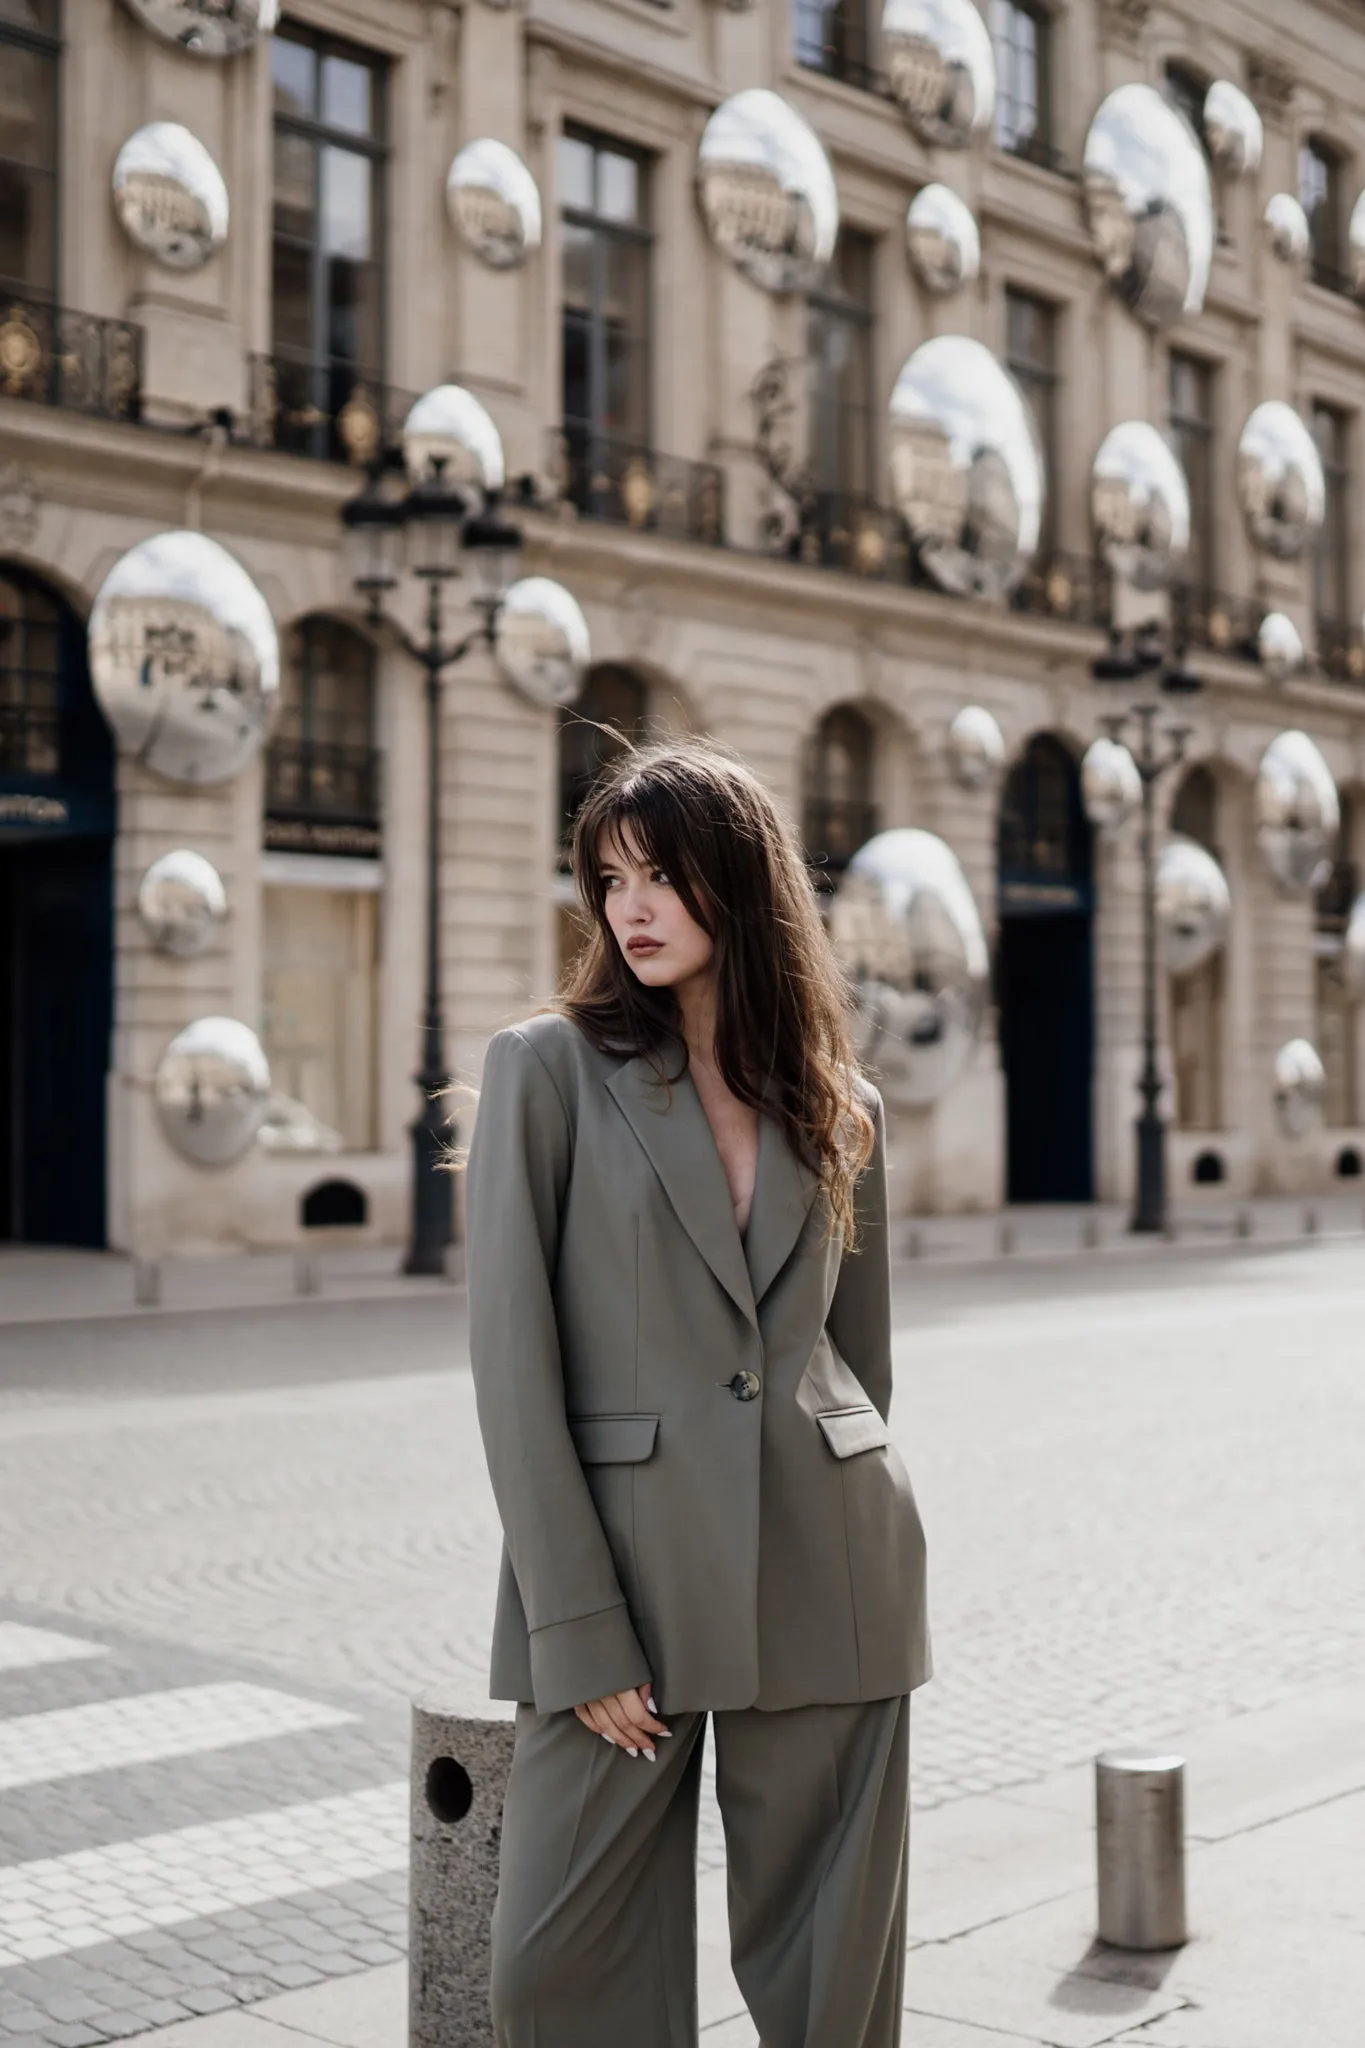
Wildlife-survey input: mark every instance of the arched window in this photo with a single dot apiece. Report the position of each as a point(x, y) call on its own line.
point(1197, 998)
point(30, 678)
point(322, 767)
point(840, 814)
point(30, 52)
point(613, 697)
point(1044, 836)
point(1338, 1020)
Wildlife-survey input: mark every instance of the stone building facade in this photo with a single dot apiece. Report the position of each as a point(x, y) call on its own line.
point(654, 400)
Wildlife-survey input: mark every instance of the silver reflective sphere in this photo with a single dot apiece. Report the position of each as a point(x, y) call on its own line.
point(1298, 813)
point(1193, 905)
point(493, 203)
point(942, 239)
point(966, 468)
point(207, 28)
point(448, 425)
point(1353, 950)
point(1150, 204)
point(290, 1126)
point(1299, 1082)
point(1279, 647)
point(976, 748)
point(1140, 504)
point(941, 67)
point(541, 641)
point(184, 657)
point(907, 932)
point(1111, 788)
point(766, 191)
point(1233, 128)
point(170, 197)
point(181, 902)
point(1355, 247)
point(1287, 226)
point(212, 1090)
point(1279, 480)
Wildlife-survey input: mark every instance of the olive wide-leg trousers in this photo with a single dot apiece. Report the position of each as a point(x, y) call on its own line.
point(594, 1934)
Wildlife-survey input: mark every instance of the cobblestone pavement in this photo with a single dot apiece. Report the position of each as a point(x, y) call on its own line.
point(267, 1529)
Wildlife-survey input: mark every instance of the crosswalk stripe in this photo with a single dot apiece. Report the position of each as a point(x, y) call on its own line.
point(21, 1646)
point(63, 1903)
point(144, 1728)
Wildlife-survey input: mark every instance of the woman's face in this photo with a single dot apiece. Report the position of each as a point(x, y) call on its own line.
point(662, 942)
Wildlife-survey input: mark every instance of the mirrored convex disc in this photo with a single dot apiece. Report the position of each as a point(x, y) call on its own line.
point(1150, 205)
point(170, 197)
point(207, 28)
point(494, 203)
point(766, 191)
point(184, 657)
point(212, 1091)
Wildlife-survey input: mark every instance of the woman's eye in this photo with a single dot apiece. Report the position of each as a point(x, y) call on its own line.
point(659, 876)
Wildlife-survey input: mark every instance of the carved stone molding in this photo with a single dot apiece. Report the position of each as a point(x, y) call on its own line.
point(1271, 85)
point(1124, 21)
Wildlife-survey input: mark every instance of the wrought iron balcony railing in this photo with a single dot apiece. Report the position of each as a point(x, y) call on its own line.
point(1341, 651)
point(626, 484)
point(30, 739)
point(1337, 896)
point(1330, 277)
point(76, 361)
point(1216, 620)
point(322, 796)
point(333, 412)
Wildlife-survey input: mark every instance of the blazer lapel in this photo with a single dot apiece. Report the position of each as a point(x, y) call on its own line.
point(671, 1125)
point(784, 1191)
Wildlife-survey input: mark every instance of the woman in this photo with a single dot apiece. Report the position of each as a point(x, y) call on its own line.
point(680, 1333)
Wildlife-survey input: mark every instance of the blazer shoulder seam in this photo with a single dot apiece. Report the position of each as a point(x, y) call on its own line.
point(547, 1070)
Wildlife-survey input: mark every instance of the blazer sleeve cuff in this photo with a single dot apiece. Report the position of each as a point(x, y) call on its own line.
point(587, 1659)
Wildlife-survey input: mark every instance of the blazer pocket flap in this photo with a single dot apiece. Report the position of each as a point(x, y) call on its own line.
point(613, 1439)
point(850, 1430)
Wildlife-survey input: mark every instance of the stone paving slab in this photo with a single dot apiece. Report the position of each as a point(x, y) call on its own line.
point(110, 1928)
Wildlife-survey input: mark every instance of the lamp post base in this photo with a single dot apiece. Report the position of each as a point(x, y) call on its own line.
point(433, 1194)
point(1149, 1208)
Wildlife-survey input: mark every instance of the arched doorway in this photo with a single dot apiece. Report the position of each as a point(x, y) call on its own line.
point(56, 922)
point(839, 812)
point(1045, 977)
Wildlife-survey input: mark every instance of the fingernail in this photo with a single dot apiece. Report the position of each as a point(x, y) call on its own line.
point(666, 1734)
point(650, 1754)
point(652, 1708)
point(605, 1738)
point(630, 1751)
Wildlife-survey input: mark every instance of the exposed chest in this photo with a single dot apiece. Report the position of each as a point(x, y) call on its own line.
point(735, 1130)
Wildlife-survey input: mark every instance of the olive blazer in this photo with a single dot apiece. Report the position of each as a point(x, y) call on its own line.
point(686, 1429)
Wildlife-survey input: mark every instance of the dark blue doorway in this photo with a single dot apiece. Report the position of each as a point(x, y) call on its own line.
point(56, 923)
point(1045, 978)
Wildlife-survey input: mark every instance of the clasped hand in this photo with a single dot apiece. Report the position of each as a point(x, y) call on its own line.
point(625, 1719)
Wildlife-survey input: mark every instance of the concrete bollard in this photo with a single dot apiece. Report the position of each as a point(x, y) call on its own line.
point(459, 1776)
point(1090, 1233)
point(1310, 1221)
point(147, 1283)
point(306, 1277)
point(1140, 1823)
point(1005, 1240)
point(1245, 1223)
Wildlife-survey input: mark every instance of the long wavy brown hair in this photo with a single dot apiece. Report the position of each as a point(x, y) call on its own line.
point(783, 1008)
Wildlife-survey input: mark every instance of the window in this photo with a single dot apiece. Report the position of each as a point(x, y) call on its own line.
point(605, 240)
point(1031, 355)
point(30, 679)
point(1320, 195)
point(835, 36)
point(322, 769)
point(328, 248)
point(320, 942)
point(1337, 1013)
point(1023, 114)
point(839, 350)
point(611, 696)
point(840, 815)
point(1186, 89)
point(29, 54)
point(1332, 562)
point(1197, 1007)
point(1192, 429)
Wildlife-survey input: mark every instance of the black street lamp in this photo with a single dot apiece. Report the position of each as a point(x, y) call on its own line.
point(444, 532)
point(1130, 660)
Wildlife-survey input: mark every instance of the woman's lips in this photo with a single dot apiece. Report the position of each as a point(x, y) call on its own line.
point(644, 945)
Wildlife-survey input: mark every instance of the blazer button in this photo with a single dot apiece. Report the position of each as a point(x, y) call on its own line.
point(746, 1386)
